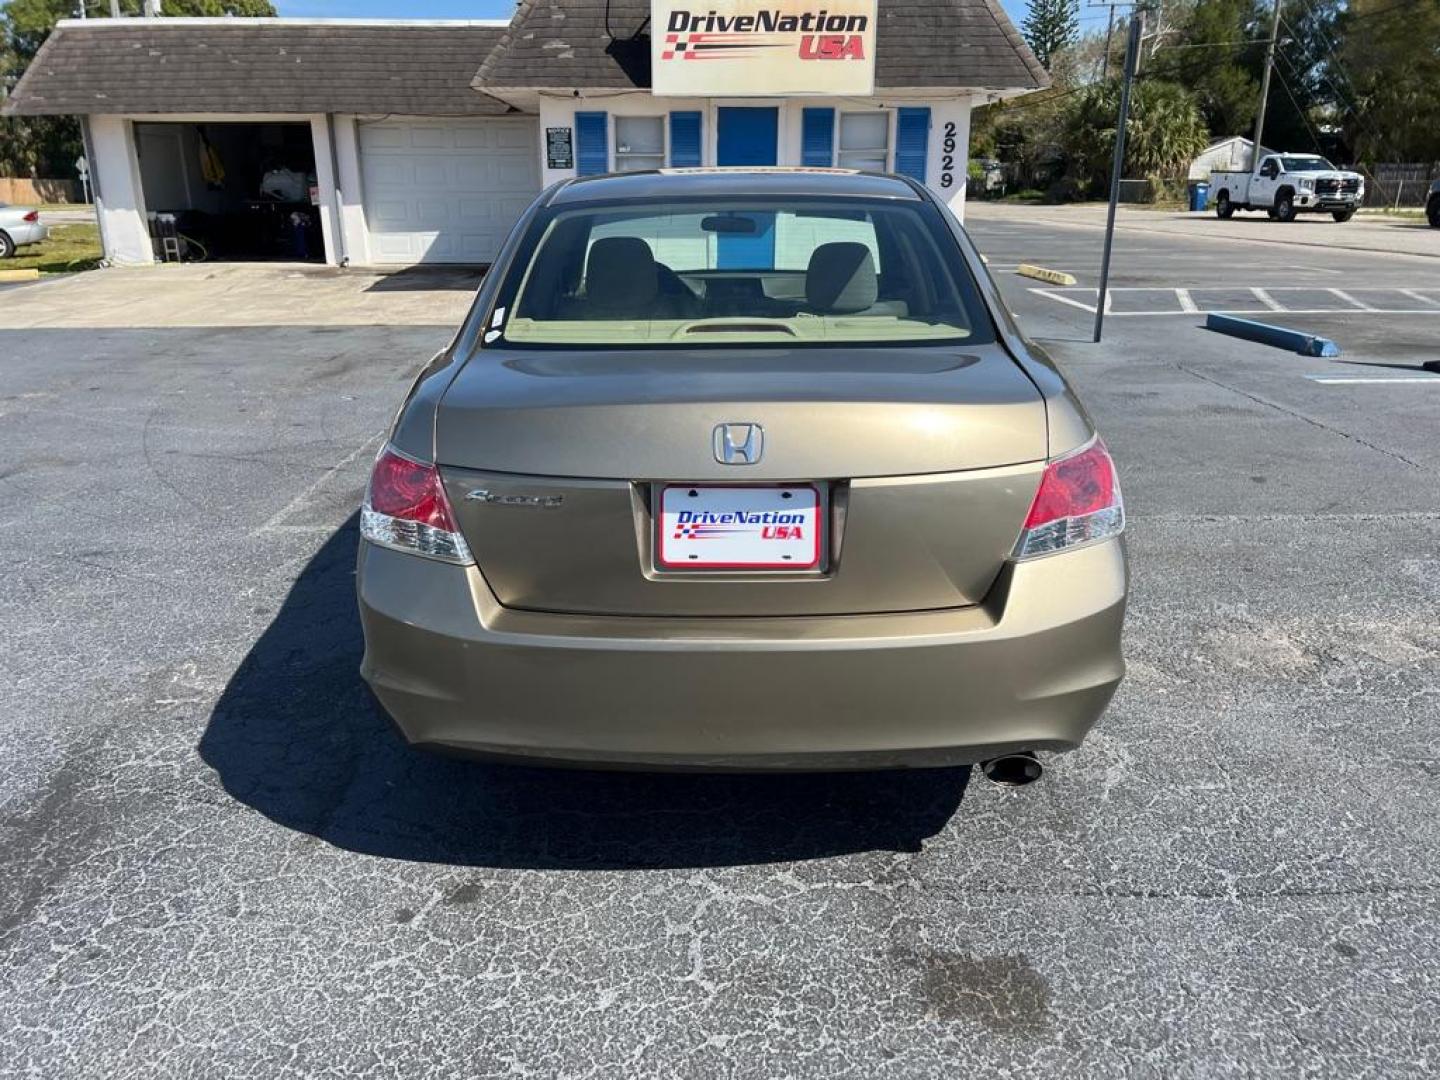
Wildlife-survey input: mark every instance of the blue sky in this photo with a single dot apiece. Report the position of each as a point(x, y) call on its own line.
point(460, 9)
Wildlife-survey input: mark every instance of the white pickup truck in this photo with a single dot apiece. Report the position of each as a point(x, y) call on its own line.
point(1288, 184)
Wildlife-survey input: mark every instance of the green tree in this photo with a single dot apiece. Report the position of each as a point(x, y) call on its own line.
point(48, 145)
point(1307, 87)
point(1217, 51)
point(1028, 133)
point(1390, 63)
point(1165, 131)
point(1049, 26)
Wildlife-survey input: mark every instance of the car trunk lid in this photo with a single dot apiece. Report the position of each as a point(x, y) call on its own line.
point(924, 459)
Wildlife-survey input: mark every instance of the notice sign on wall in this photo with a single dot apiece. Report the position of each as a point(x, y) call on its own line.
point(755, 48)
point(559, 148)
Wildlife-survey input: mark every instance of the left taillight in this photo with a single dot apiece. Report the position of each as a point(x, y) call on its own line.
point(32, 217)
point(1078, 502)
point(406, 509)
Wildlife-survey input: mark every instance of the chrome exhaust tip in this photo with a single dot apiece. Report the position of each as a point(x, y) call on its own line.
point(1013, 770)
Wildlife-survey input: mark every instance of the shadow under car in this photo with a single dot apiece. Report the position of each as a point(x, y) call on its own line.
point(297, 736)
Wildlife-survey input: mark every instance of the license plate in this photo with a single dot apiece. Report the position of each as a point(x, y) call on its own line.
point(738, 528)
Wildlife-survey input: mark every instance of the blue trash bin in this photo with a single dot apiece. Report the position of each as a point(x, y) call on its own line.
point(1199, 195)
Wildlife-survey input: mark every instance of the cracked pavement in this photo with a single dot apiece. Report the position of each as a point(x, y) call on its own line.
point(219, 861)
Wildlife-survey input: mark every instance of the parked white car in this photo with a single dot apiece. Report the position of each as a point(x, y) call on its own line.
point(19, 225)
point(1288, 184)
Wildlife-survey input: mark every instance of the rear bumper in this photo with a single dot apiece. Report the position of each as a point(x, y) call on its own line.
point(26, 233)
point(1032, 668)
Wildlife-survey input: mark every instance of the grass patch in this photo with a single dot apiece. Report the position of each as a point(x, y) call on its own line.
point(69, 247)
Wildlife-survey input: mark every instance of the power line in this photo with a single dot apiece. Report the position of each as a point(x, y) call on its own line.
point(1328, 43)
point(1025, 103)
point(1218, 44)
point(1285, 85)
point(1351, 104)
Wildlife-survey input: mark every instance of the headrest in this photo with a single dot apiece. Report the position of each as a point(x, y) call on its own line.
point(621, 274)
point(841, 278)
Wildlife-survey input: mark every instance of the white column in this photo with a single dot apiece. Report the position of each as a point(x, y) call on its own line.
point(325, 182)
point(948, 156)
point(351, 191)
point(119, 203)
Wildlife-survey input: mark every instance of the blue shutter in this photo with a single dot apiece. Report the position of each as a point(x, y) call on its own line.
point(912, 142)
point(817, 138)
point(592, 143)
point(684, 139)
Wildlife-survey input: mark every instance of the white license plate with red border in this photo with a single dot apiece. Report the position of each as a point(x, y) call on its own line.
point(738, 527)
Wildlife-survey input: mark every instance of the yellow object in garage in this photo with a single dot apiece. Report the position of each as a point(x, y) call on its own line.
point(211, 167)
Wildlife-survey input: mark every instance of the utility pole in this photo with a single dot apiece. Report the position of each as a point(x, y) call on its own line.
point(1265, 85)
point(1109, 33)
point(1132, 55)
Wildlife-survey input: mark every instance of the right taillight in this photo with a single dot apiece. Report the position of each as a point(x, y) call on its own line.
point(1078, 503)
point(406, 509)
point(32, 217)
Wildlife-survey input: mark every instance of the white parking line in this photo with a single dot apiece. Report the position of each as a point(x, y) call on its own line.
point(1181, 301)
point(1345, 380)
point(1265, 298)
point(1343, 295)
point(276, 522)
point(1053, 295)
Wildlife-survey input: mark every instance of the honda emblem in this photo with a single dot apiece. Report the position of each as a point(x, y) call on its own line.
point(739, 444)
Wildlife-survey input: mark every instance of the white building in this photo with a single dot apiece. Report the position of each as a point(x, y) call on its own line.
point(385, 143)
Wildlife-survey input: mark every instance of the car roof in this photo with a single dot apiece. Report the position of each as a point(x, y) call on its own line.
point(701, 182)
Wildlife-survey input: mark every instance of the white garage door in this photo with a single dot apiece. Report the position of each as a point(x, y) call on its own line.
point(446, 190)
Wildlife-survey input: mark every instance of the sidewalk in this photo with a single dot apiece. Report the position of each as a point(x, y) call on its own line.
point(1403, 236)
point(241, 294)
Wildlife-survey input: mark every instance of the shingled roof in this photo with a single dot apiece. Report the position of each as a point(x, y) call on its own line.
point(564, 44)
point(258, 66)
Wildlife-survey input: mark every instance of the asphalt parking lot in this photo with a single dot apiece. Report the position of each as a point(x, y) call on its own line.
point(219, 861)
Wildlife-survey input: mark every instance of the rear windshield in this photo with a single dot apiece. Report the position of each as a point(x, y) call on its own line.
point(750, 271)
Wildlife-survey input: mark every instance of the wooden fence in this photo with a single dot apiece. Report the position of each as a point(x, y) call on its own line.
point(1398, 184)
point(23, 190)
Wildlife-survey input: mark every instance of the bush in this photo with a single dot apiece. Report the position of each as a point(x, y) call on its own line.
point(1165, 131)
point(1069, 189)
point(1169, 189)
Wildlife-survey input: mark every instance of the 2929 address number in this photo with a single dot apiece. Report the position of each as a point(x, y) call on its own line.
point(947, 159)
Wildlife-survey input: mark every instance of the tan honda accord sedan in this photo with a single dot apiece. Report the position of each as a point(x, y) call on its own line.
point(743, 469)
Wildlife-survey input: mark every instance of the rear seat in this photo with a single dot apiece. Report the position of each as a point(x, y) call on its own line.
point(841, 280)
